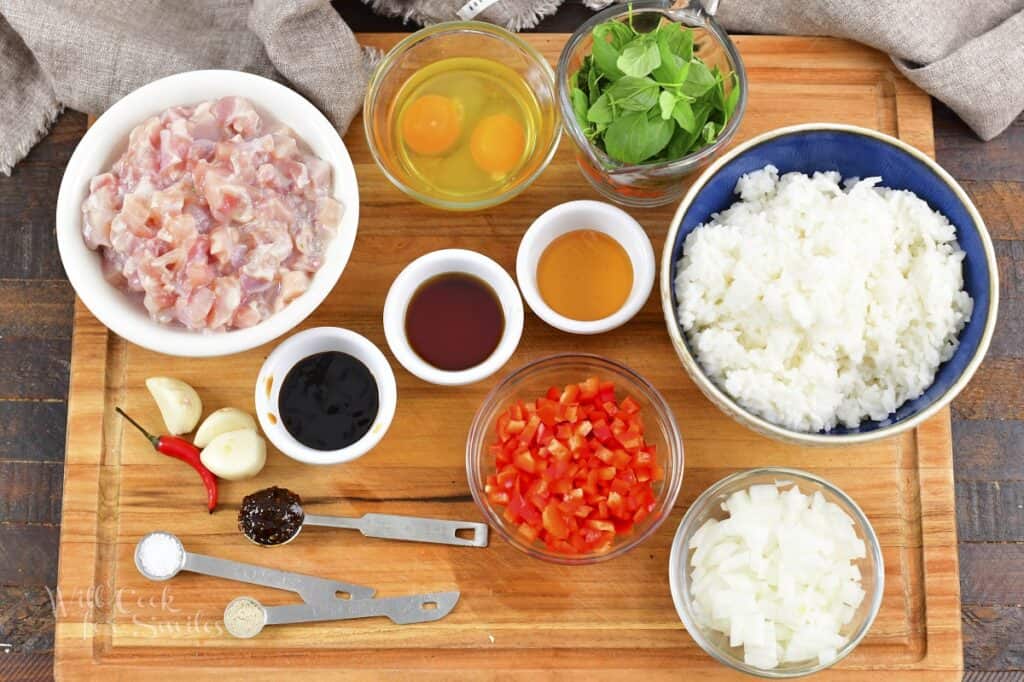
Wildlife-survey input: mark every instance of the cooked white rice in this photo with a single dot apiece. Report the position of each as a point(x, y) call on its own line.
point(814, 304)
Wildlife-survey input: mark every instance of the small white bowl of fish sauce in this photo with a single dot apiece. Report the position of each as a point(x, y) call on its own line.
point(326, 396)
point(453, 317)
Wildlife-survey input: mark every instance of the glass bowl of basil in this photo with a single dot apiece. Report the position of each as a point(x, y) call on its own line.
point(649, 94)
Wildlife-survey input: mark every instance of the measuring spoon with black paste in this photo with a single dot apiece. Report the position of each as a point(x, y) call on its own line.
point(274, 516)
point(161, 556)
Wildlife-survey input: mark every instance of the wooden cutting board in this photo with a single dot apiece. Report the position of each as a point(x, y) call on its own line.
point(518, 616)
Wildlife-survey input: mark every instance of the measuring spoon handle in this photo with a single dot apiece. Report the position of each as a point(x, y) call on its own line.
point(417, 608)
point(309, 587)
point(411, 528)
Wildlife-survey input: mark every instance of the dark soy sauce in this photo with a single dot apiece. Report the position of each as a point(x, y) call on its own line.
point(328, 401)
point(454, 321)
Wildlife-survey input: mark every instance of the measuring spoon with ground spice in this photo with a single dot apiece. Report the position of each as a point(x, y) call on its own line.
point(274, 516)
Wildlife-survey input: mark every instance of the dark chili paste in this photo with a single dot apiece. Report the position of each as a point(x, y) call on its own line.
point(271, 516)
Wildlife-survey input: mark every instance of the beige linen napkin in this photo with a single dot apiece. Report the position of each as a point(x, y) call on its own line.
point(967, 53)
point(87, 54)
point(515, 15)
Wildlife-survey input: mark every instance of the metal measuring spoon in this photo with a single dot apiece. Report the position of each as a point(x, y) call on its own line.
point(246, 617)
point(167, 557)
point(274, 516)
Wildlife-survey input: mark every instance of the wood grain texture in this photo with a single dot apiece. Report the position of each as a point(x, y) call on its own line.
point(28, 201)
point(996, 377)
point(26, 667)
point(32, 430)
point(26, 619)
point(26, 554)
point(997, 572)
point(992, 638)
point(517, 617)
point(997, 676)
point(34, 369)
point(988, 451)
point(968, 158)
point(31, 492)
point(991, 511)
point(1008, 339)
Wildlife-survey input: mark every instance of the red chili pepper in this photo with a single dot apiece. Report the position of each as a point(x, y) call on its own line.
point(179, 448)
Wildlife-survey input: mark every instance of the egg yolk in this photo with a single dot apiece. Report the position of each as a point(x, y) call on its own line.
point(497, 143)
point(431, 124)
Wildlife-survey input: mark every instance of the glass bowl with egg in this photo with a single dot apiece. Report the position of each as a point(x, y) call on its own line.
point(776, 572)
point(462, 115)
point(561, 486)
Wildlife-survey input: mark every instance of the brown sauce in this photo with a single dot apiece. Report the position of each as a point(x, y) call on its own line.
point(454, 321)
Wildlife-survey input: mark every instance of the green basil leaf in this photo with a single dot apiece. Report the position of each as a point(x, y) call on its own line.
point(593, 77)
point(678, 145)
point(580, 105)
point(633, 94)
point(666, 102)
point(639, 58)
point(698, 79)
point(605, 55)
point(621, 33)
point(690, 140)
point(675, 45)
point(601, 111)
point(680, 40)
point(637, 136)
point(732, 98)
point(683, 115)
point(709, 132)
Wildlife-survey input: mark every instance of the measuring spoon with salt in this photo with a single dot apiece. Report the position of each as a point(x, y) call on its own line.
point(161, 556)
point(246, 617)
point(274, 516)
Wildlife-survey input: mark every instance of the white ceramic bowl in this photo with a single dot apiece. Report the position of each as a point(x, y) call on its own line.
point(439, 263)
point(586, 215)
point(302, 345)
point(107, 139)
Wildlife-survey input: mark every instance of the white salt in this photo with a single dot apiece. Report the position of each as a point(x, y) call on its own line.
point(160, 555)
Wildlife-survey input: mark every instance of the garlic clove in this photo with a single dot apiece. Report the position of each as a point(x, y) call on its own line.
point(224, 420)
point(179, 403)
point(235, 455)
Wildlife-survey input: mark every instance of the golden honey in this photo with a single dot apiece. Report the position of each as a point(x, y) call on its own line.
point(585, 275)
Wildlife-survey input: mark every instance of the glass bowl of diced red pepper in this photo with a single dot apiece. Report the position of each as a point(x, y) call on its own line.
point(574, 459)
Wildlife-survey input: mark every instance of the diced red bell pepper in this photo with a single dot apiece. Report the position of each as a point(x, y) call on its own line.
point(629, 406)
point(572, 468)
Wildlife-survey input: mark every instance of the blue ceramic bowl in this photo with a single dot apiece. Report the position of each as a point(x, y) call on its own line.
point(853, 152)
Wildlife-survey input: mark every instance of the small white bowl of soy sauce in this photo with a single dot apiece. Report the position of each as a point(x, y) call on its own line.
point(453, 317)
point(325, 396)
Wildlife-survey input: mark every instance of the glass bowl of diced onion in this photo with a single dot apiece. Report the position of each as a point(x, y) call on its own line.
point(694, 572)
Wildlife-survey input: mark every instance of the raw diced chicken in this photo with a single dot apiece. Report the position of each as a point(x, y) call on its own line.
point(217, 220)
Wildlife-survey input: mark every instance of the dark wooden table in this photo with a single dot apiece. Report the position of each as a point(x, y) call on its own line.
point(35, 341)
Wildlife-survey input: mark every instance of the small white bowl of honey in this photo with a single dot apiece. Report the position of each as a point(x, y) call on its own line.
point(585, 267)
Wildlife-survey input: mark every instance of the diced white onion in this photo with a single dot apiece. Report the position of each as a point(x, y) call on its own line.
point(777, 575)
